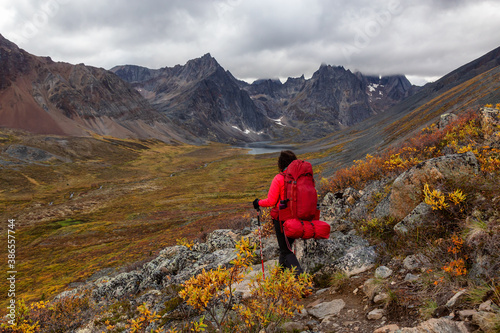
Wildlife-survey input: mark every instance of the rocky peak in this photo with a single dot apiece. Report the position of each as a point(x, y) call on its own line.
point(327, 77)
point(385, 91)
point(202, 97)
point(5, 43)
point(61, 98)
point(199, 68)
point(266, 86)
point(133, 73)
point(294, 84)
point(13, 61)
point(329, 71)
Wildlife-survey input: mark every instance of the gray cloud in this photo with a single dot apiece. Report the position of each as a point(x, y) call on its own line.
point(259, 38)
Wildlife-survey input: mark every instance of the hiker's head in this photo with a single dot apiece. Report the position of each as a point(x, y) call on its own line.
point(286, 157)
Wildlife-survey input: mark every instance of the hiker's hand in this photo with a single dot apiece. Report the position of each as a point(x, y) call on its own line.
point(256, 204)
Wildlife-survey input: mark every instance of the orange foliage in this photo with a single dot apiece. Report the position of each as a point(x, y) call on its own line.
point(461, 135)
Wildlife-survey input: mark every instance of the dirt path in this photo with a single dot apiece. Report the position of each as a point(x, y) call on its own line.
point(353, 316)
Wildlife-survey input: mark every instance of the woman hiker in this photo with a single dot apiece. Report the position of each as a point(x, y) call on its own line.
point(276, 193)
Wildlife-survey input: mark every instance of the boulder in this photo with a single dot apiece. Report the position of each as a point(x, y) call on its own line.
point(382, 298)
point(340, 225)
point(371, 288)
point(270, 247)
point(406, 192)
point(466, 314)
point(316, 253)
point(383, 272)
point(293, 326)
point(456, 298)
point(485, 267)
point(337, 205)
point(375, 314)
point(416, 261)
point(446, 118)
point(31, 154)
point(242, 288)
point(411, 277)
point(365, 204)
point(206, 262)
point(221, 239)
point(387, 329)
point(487, 321)
point(326, 309)
point(357, 260)
point(177, 262)
point(329, 324)
point(417, 217)
point(441, 325)
point(489, 306)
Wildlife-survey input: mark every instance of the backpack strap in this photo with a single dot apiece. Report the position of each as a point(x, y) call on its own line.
point(286, 240)
point(314, 229)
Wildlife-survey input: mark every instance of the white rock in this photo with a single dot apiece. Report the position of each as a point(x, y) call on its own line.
point(383, 272)
point(375, 314)
point(466, 314)
point(411, 277)
point(486, 306)
point(451, 303)
point(381, 298)
point(387, 329)
point(327, 309)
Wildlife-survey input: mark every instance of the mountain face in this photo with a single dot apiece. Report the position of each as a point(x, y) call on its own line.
point(384, 92)
point(42, 96)
point(200, 97)
point(331, 99)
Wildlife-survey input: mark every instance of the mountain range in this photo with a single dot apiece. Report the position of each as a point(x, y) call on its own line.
point(204, 98)
point(201, 101)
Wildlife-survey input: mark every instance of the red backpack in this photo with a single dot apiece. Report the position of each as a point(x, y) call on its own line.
point(299, 209)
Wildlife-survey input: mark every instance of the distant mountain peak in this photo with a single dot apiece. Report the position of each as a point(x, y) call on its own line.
point(206, 59)
point(4, 42)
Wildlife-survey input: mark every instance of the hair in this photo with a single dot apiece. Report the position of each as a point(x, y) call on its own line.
point(286, 157)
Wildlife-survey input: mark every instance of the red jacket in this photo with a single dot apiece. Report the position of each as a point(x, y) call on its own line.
point(276, 193)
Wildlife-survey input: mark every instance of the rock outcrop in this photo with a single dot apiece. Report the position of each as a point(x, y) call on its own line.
point(406, 192)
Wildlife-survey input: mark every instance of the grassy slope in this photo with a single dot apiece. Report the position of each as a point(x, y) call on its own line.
point(149, 198)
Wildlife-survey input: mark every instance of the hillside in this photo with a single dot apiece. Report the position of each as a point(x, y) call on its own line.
point(47, 97)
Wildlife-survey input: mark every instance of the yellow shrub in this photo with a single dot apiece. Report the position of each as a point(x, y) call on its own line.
point(185, 242)
point(209, 288)
point(145, 318)
point(434, 198)
point(457, 197)
point(273, 299)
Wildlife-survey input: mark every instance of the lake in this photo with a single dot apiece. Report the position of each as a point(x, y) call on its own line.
point(264, 147)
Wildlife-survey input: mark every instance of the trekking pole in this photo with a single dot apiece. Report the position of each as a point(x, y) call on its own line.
point(260, 241)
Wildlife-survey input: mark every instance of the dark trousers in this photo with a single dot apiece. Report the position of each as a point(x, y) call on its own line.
point(287, 258)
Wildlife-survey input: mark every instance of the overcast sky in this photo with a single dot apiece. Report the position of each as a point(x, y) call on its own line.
point(252, 39)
